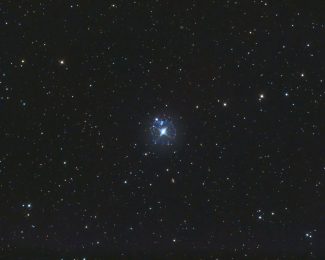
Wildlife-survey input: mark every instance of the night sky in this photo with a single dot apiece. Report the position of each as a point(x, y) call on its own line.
point(173, 129)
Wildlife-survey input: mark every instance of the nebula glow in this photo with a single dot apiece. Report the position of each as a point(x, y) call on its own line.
point(163, 131)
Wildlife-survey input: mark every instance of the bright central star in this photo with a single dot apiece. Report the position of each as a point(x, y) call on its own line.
point(163, 131)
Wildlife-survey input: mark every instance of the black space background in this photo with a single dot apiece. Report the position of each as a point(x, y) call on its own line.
point(246, 174)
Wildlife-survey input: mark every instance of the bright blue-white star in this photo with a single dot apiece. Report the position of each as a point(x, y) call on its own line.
point(163, 131)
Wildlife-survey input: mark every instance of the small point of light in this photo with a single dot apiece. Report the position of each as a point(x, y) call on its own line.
point(61, 62)
point(224, 104)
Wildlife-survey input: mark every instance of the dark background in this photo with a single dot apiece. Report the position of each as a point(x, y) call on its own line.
point(80, 85)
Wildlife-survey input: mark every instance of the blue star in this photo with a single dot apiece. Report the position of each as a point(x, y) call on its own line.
point(163, 131)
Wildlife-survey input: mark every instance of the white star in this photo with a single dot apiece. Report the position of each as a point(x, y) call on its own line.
point(163, 131)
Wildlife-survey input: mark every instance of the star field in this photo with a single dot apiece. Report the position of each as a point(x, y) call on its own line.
point(167, 129)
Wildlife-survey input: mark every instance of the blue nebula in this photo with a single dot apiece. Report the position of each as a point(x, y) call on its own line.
point(163, 131)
